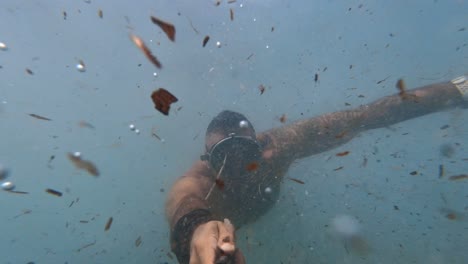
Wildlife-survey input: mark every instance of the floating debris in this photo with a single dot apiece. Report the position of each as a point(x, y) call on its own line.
point(205, 40)
point(141, 45)
point(339, 168)
point(219, 183)
point(282, 118)
point(86, 246)
point(162, 100)
point(64, 14)
point(138, 241)
point(108, 224)
point(451, 214)
point(253, 166)
point(296, 180)
point(458, 177)
point(261, 87)
point(153, 134)
point(18, 192)
point(441, 171)
point(316, 77)
point(40, 117)
point(100, 14)
point(29, 71)
point(383, 80)
point(414, 173)
point(341, 154)
point(75, 158)
point(168, 28)
point(85, 124)
point(231, 14)
point(24, 212)
point(53, 192)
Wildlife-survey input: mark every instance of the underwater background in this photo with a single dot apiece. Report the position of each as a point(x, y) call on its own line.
point(312, 57)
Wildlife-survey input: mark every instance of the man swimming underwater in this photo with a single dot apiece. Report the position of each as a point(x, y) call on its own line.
point(238, 178)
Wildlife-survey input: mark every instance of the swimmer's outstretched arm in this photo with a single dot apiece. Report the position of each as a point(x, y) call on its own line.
point(315, 135)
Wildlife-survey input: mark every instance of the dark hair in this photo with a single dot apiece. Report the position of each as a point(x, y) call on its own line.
point(228, 122)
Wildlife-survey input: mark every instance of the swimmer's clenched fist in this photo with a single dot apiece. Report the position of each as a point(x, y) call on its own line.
point(214, 242)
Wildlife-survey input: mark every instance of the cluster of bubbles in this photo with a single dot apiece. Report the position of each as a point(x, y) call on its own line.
point(6, 185)
point(134, 129)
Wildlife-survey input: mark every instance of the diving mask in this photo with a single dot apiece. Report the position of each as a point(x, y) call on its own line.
point(233, 152)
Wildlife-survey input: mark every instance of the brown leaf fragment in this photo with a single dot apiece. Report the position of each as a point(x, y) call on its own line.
point(458, 177)
point(85, 124)
point(253, 166)
point(83, 164)
point(142, 46)
point(341, 154)
point(402, 89)
point(451, 216)
point(54, 192)
point(205, 40)
point(231, 1)
point(108, 224)
point(162, 100)
point(296, 180)
point(282, 118)
point(167, 27)
point(231, 14)
point(100, 14)
point(220, 184)
point(40, 117)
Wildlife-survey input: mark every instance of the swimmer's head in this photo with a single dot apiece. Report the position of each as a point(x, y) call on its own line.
point(230, 140)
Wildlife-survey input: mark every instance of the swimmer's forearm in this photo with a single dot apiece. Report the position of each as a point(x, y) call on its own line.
point(414, 103)
point(315, 135)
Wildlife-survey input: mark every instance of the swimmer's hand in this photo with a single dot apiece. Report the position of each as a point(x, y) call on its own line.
point(214, 243)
